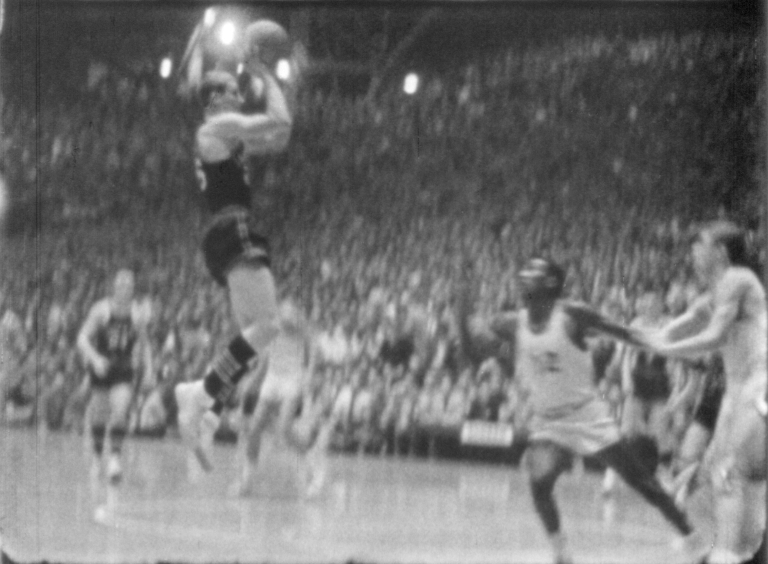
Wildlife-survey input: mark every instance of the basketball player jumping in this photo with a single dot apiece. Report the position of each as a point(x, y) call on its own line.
point(235, 252)
point(568, 417)
point(730, 317)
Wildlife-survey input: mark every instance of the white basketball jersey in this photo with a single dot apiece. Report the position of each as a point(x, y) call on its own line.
point(558, 374)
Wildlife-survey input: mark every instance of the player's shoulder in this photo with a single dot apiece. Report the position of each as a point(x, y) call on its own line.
point(102, 309)
point(738, 280)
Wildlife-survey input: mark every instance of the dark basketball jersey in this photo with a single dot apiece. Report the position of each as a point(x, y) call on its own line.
point(223, 182)
point(114, 341)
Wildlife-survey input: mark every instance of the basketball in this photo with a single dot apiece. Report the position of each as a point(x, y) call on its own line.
point(268, 41)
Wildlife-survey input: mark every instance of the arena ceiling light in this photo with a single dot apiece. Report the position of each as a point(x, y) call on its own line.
point(227, 33)
point(283, 69)
point(210, 17)
point(166, 66)
point(411, 83)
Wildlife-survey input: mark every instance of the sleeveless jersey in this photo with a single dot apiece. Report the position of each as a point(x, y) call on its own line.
point(557, 373)
point(223, 182)
point(114, 340)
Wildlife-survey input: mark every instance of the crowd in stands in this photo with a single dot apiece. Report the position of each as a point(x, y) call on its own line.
point(599, 151)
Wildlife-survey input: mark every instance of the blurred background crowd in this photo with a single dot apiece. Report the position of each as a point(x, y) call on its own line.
point(601, 149)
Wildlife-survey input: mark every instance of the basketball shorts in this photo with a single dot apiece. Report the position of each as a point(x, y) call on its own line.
point(709, 407)
point(113, 377)
point(583, 429)
point(232, 237)
point(652, 388)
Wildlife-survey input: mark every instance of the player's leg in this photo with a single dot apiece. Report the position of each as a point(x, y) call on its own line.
point(638, 475)
point(632, 420)
point(98, 420)
point(686, 467)
point(249, 443)
point(120, 396)
point(660, 431)
point(545, 462)
point(288, 418)
point(253, 300)
point(736, 464)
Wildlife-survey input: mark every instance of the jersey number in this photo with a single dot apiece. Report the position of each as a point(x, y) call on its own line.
point(117, 339)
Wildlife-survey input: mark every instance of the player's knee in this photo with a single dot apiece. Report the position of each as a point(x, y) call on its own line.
point(260, 333)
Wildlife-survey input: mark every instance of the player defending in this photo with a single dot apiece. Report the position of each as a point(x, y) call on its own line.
point(236, 254)
point(730, 317)
point(115, 325)
point(290, 368)
point(567, 415)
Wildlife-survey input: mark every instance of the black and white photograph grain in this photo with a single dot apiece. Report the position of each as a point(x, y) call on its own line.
point(383, 282)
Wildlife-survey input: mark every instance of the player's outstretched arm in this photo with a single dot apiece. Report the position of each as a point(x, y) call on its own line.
point(694, 318)
point(724, 312)
point(587, 322)
point(262, 133)
point(481, 339)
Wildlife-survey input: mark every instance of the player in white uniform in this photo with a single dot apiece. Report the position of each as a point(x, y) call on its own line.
point(113, 328)
point(290, 364)
point(730, 317)
point(554, 369)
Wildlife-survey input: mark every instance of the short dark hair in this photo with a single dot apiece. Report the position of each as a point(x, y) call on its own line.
point(733, 238)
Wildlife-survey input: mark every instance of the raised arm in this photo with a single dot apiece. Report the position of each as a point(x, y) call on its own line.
point(262, 133)
point(694, 318)
point(480, 340)
point(725, 308)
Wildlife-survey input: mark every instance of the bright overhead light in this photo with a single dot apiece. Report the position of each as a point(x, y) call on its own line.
point(411, 83)
point(283, 70)
point(210, 17)
point(227, 33)
point(166, 65)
